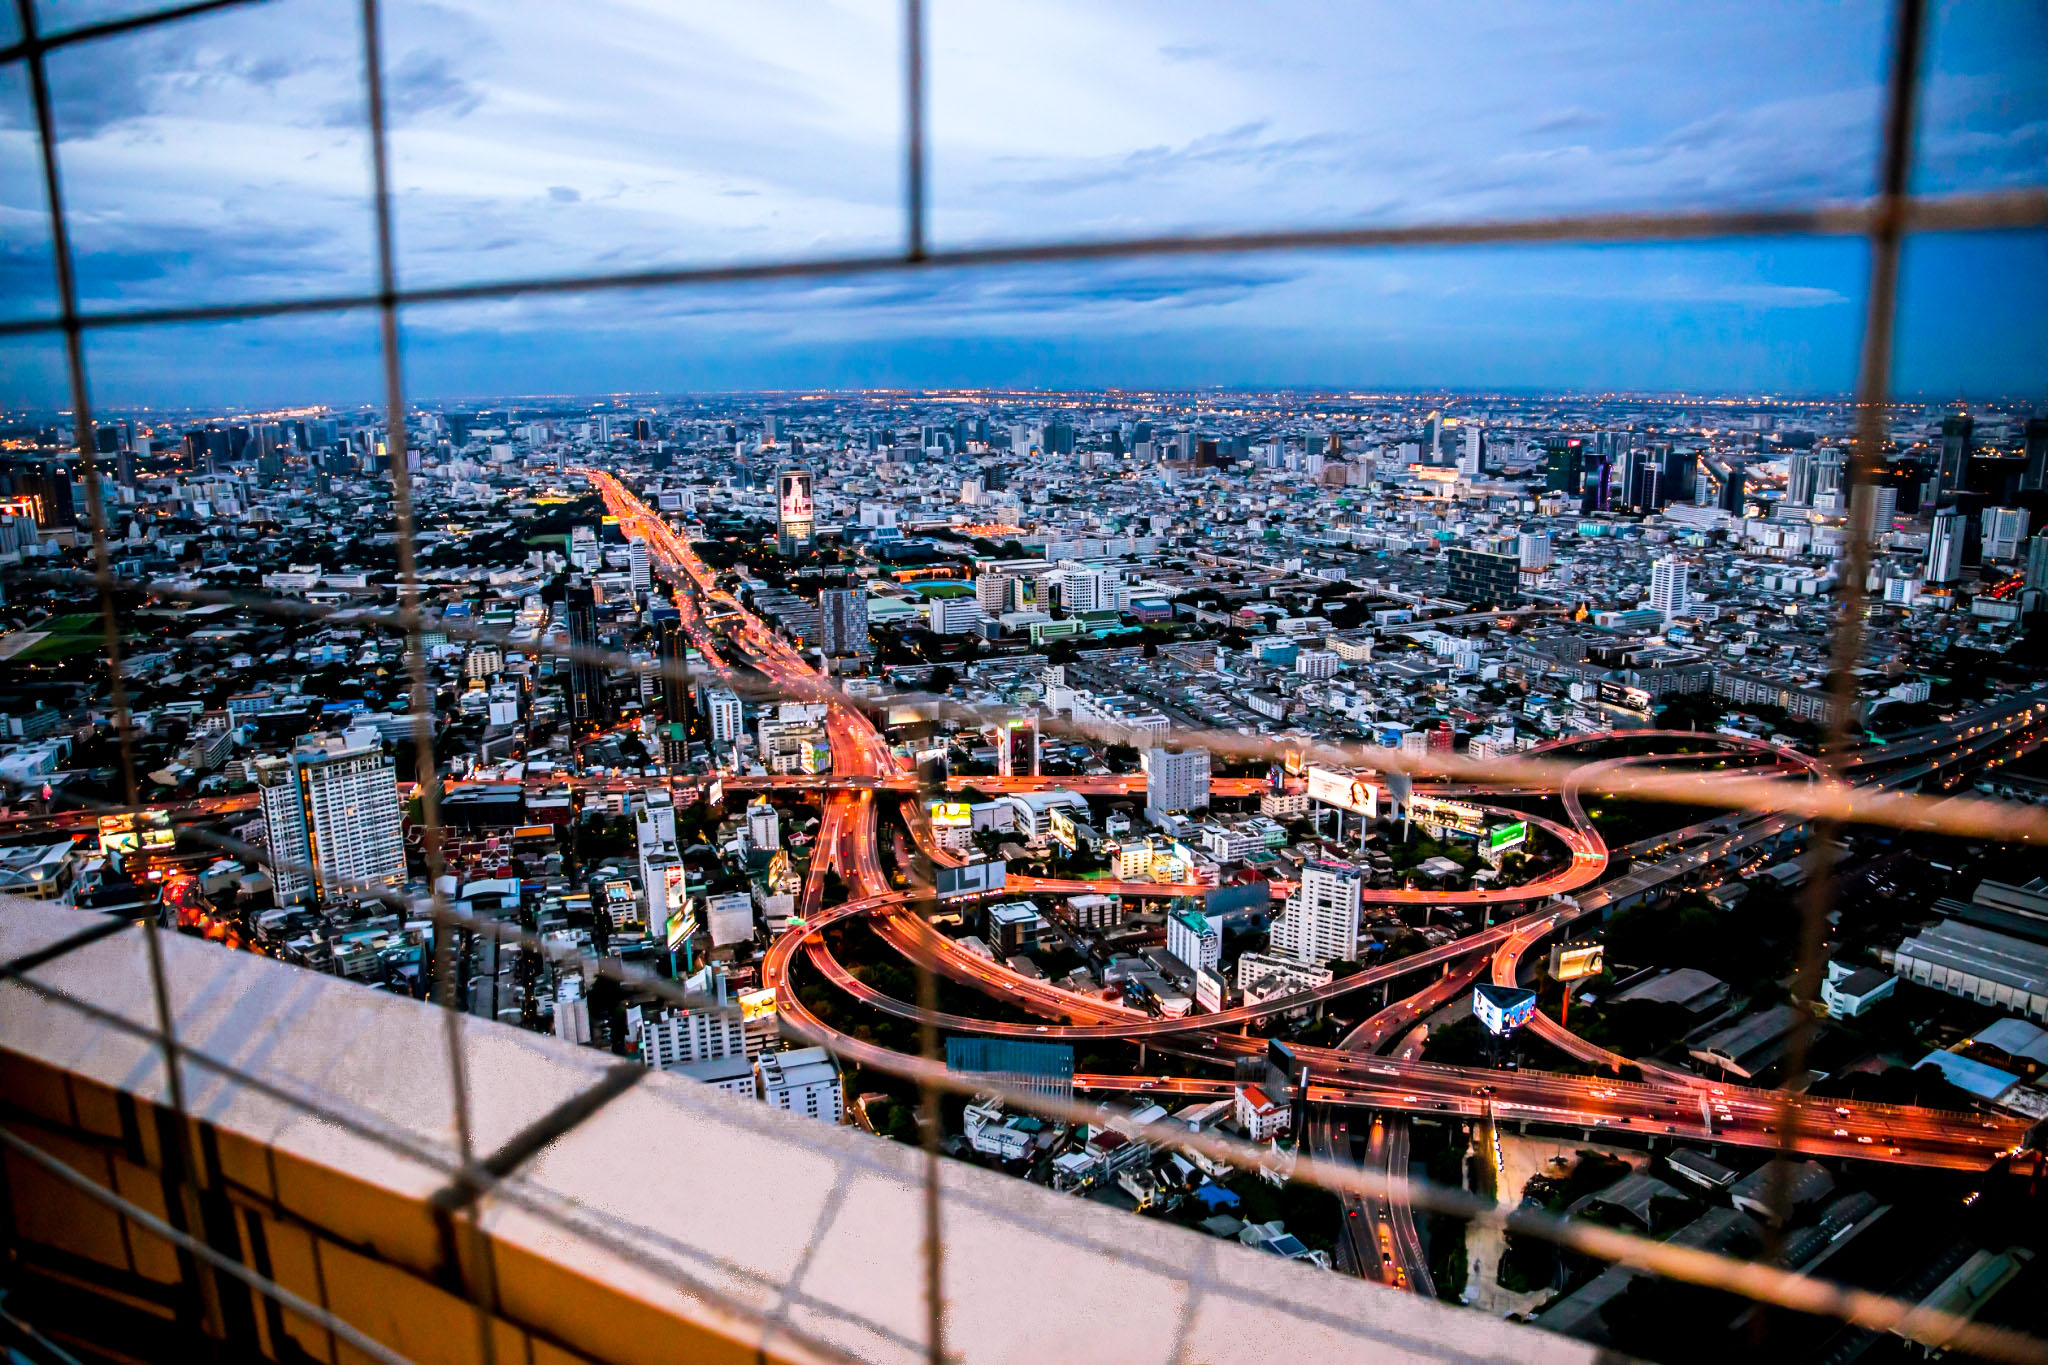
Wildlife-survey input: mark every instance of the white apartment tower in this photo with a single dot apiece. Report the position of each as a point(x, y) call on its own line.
point(803, 1081)
point(1175, 781)
point(1320, 922)
point(764, 826)
point(640, 575)
point(1668, 586)
point(335, 827)
point(1945, 547)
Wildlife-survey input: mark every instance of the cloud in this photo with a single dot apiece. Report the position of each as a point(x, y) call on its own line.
point(564, 194)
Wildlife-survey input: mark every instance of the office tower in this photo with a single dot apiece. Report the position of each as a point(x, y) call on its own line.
point(1802, 477)
point(992, 591)
point(586, 678)
point(764, 825)
point(332, 821)
point(674, 687)
point(1734, 497)
point(795, 513)
point(1175, 781)
point(46, 485)
point(2035, 477)
point(843, 622)
point(638, 572)
point(1193, 937)
point(722, 709)
point(1945, 546)
point(2037, 562)
point(1535, 552)
point(803, 1080)
point(1320, 921)
point(1669, 581)
point(1433, 439)
point(1472, 457)
point(1563, 464)
point(1086, 588)
point(1881, 506)
point(1480, 576)
point(1952, 466)
point(2004, 531)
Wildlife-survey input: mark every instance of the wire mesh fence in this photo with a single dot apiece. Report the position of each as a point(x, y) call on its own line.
point(1828, 797)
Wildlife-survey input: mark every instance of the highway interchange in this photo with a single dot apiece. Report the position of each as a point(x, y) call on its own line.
point(1363, 1088)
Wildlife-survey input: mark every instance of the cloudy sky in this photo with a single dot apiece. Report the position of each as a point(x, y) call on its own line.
point(225, 159)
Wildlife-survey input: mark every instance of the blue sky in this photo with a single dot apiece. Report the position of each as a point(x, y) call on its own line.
point(225, 159)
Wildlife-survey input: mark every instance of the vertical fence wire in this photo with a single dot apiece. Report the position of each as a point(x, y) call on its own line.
point(448, 961)
point(1872, 429)
point(180, 1170)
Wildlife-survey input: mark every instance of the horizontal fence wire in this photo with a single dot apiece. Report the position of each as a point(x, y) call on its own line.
point(1829, 800)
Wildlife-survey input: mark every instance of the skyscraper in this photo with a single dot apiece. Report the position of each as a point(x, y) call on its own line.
point(1952, 467)
point(639, 573)
point(1802, 477)
point(674, 689)
point(2035, 478)
point(1564, 464)
point(1320, 921)
point(333, 821)
point(843, 622)
point(1175, 781)
point(1945, 546)
point(2004, 532)
point(1472, 459)
point(586, 679)
point(1669, 583)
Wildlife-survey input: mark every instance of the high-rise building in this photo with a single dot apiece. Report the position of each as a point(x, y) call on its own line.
point(1952, 466)
point(639, 573)
point(332, 820)
point(1945, 546)
point(1175, 782)
point(1194, 938)
point(693, 1035)
point(803, 1081)
point(586, 677)
point(1535, 551)
point(1564, 464)
point(992, 591)
point(1669, 584)
point(1802, 477)
point(722, 709)
point(1481, 576)
point(2004, 532)
point(2035, 477)
point(843, 622)
point(795, 512)
point(673, 686)
point(1472, 457)
point(764, 826)
point(2037, 562)
point(1320, 921)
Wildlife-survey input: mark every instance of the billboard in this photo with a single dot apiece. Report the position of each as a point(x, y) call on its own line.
point(951, 814)
point(1062, 831)
point(146, 831)
point(793, 497)
point(1631, 698)
point(1575, 961)
point(1502, 1009)
point(757, 1005)
point(731, 918)
point(1347, 791)
point(1209, 990)
point(975, 879)
point(1435, 811)
point(1501, 838)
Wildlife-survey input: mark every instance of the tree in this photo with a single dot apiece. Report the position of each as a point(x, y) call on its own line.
point(1121, 758)
point(944, 679)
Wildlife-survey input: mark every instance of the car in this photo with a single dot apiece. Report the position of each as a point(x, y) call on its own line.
point(1841, 1132)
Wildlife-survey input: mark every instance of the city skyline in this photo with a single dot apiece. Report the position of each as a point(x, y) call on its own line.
point(227, 162)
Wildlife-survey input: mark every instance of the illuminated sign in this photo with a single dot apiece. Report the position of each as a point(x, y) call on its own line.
point(1347, 791)
point(1441, 814)
point(1629, 698)
point(1502, 1009)
point(1505, 837)
point(1574, 961)
point(680, 915)
point(1209, 990)
point(143, 832)
point(953, 814)
point(715, 794)
point(1293, 762)
point(975, 879)
point(757, 1005)
point(1061, 829)
point(793, 503)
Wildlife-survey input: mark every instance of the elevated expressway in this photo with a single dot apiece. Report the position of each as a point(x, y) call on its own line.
point(1336, 1076)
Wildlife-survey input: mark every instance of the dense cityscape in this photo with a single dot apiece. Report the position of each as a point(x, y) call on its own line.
point(1307, 768)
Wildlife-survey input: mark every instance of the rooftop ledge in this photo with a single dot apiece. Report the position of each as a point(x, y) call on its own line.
point(671, 1222)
